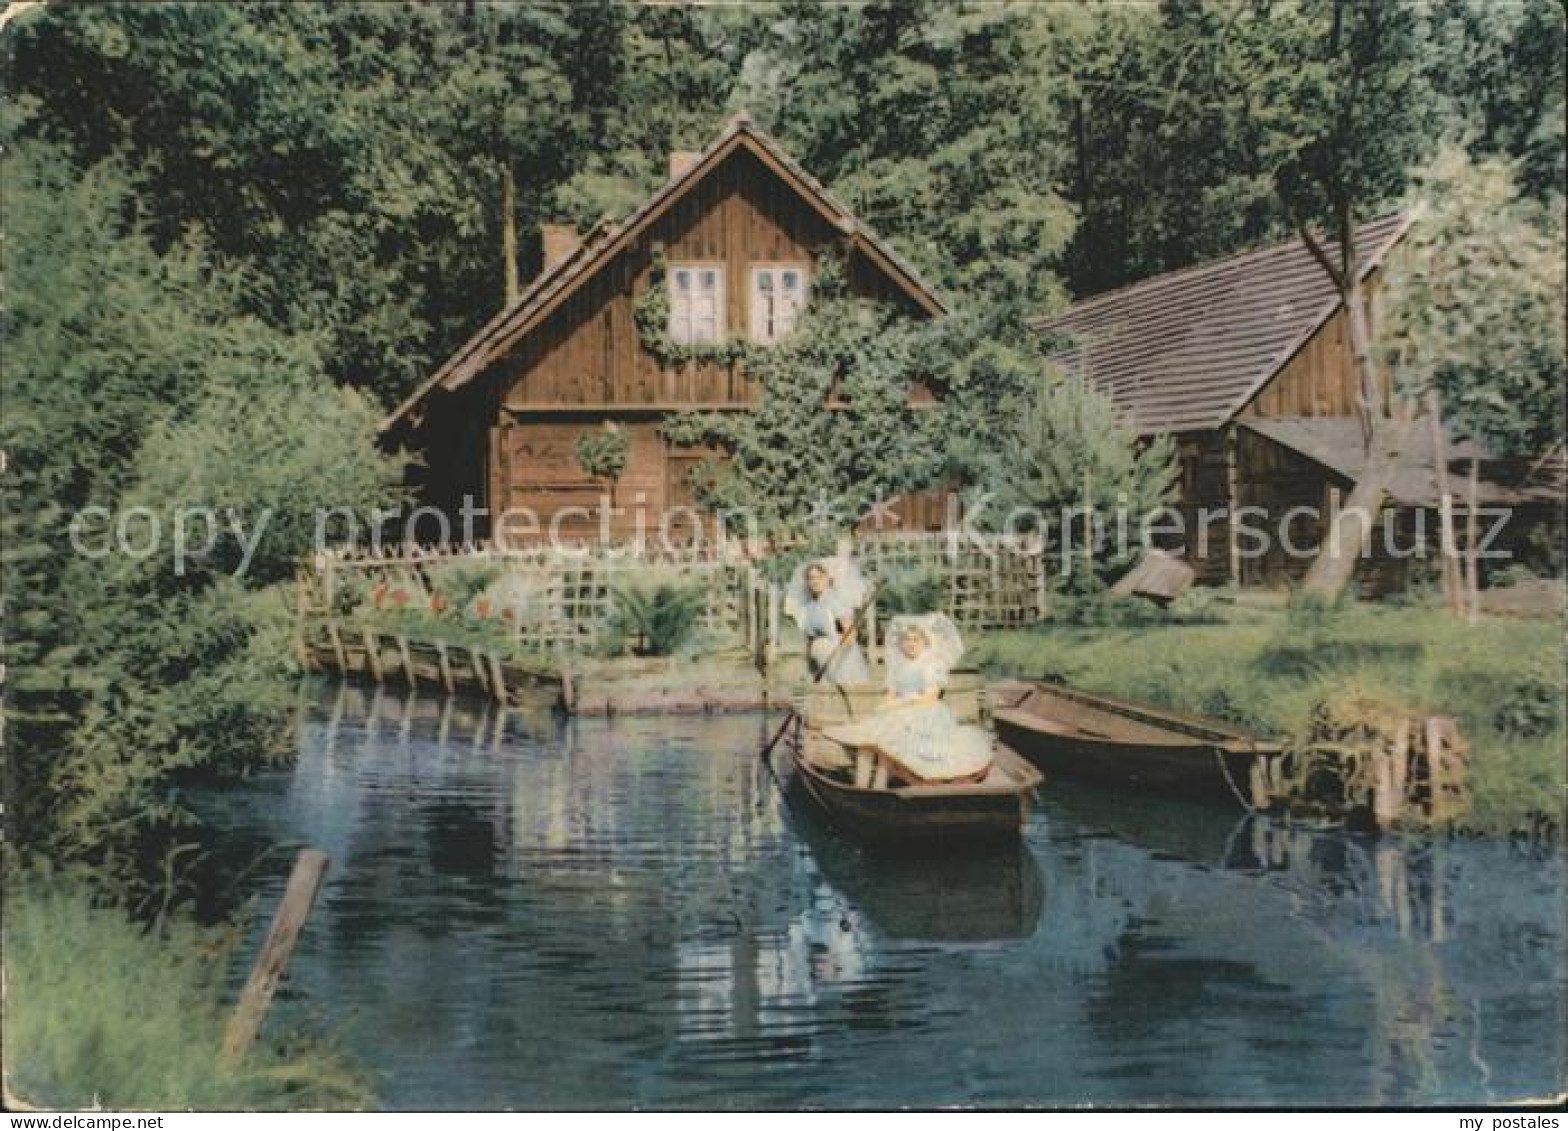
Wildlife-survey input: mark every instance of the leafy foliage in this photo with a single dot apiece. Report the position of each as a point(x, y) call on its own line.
point(931, 120)
point(300, 139)
point(1066, 462)
point(134, 379)
point(911, 591)
point(603, 454)
point(100, 1010)
point(267, 456)
point(1475, 304)
point(657, 619)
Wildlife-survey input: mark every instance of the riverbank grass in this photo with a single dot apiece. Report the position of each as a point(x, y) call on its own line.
point(102, 1012)
point(1269, 669)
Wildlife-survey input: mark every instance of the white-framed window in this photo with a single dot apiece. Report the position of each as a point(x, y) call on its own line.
point(696, 303)
point(778, 295)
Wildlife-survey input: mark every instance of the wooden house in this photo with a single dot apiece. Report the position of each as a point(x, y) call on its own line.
point(1246, 361)
point(737, 233)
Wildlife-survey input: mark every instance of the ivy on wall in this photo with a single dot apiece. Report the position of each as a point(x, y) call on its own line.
point(651, 313)
point(802, 467)
point(602, 455)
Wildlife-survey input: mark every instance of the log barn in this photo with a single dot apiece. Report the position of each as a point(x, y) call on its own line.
point(735, 236)
point(1246, 361)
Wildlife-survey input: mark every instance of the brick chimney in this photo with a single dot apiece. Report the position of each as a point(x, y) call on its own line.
point(681, 160)
point(560, 240)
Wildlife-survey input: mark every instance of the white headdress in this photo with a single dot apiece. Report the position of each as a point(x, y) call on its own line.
point(944, 646)
point(846, 594)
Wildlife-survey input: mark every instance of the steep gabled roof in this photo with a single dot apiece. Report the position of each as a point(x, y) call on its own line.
point(546, 293)
point(1188, 349)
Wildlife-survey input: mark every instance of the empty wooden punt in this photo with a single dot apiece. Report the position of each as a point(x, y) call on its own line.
point(1078, 734)
point(940, 814)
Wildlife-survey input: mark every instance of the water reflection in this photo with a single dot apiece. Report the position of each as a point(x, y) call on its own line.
point(975, 896)
point(526, 911)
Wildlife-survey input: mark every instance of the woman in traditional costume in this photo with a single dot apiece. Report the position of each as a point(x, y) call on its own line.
point(823, 599)
point(914, 737)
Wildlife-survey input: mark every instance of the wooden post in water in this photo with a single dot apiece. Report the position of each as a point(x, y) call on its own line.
point(1390, 779)
point(301, 618)
point(1258, 783)
point(408, 661)
point(337, 647)
point(446, 668)
point(568, 687)
point(310, 867)
point(1445, 768)
point(373, 654)
point(497, 679)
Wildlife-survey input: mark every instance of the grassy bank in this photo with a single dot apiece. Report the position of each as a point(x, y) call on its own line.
point(1268, 669)
point(99, 1010)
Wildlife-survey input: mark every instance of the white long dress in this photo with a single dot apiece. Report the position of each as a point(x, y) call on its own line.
point(819, 619)
point(925, 742)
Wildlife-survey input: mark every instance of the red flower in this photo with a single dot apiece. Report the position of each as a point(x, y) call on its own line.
point(400, 596)
point(437, 603)
point(482, 607)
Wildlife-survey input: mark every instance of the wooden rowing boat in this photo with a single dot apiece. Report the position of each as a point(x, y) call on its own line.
point(1112, 741)
point(991, 809)
point(912, 896)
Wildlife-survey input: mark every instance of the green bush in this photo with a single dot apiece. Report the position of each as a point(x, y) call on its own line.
point(458, 585)
point(102, 1011)
point(656, 620)
point(911, 591)
point(603, 454)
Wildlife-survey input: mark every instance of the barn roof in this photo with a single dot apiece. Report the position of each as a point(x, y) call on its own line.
point(1187, 349)
point(1336, 443)
point(600, 246)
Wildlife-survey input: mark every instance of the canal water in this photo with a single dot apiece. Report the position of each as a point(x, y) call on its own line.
point(526, 911)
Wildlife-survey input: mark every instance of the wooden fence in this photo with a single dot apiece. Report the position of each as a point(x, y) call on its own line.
point(574, 593)
point(989, 582)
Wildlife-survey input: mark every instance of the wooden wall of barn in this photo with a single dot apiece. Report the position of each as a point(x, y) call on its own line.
point(1294, 494)
point(1320, 379)
point(1204, 492)
point(1224, 471)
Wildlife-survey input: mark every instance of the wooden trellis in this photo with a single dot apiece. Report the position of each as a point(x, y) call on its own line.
point(992, 581)
point(577, 591)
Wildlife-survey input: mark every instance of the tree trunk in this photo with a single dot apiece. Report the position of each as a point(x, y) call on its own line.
point(1448, 552)
point(1373, 408)
point(1348, 533)
point(513, 284)
point(1472, 548)
point(1351, 528)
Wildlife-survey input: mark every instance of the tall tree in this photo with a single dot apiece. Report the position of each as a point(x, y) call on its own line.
point(350, 159)
point(136, 379)
point(1157, 178)
point(930, 120)
point(1333, 97)
point(1475, 306)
